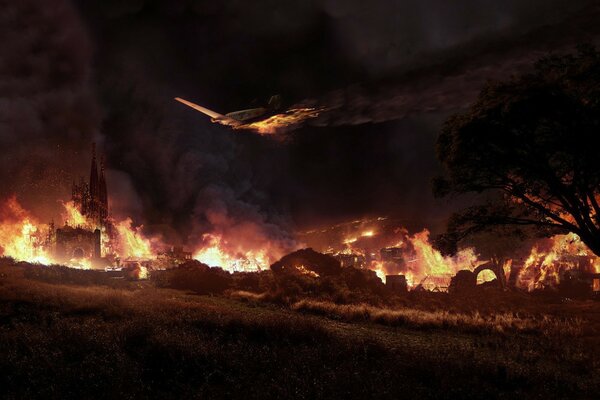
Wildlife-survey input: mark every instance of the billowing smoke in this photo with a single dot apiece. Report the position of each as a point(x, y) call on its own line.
point(444, 58)
point(183, 179)
point(48, 112)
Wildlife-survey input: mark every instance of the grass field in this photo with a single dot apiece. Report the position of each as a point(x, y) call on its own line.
point(132, 340)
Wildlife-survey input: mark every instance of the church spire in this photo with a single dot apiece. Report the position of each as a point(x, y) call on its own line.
point(102, 192)
point(94, 185)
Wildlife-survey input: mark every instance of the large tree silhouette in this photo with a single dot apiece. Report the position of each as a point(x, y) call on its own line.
point(531, 142)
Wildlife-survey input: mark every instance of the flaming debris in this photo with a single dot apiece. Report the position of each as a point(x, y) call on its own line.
point(379, 245)
point(563, 255)
point(214, 254)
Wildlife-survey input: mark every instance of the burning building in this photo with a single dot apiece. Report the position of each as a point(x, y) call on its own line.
point(396, 283)
point(175, 255)
point(392, 254)
point(77, 244)
point(87, 224)
point(92, 199)
point(351, 260)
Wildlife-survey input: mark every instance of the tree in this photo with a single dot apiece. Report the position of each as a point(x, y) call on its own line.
point(531, 143)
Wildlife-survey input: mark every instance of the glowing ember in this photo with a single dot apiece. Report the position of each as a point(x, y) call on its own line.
point(80, 263)
point(303, 270)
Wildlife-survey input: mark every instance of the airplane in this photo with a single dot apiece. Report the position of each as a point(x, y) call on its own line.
point(240, 118)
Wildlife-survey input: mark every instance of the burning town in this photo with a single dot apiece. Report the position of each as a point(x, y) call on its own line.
point(415, 215)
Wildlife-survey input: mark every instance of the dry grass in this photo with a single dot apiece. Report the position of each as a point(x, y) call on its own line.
point(420, 319)
point(70, 341)
point(247, 296)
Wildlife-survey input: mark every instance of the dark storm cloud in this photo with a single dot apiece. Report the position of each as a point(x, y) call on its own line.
point(450, 51)
point(48, 113)
point(386, 35)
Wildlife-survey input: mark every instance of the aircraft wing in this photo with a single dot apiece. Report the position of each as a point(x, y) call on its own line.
point(215, 116)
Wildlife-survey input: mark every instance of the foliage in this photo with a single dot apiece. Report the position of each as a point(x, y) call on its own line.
point(529, 143)
point(65, 275)
point(442, 319)
point(194, 276)
point(307, 273)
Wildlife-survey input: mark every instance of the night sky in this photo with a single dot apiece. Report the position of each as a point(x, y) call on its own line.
point(389, 73)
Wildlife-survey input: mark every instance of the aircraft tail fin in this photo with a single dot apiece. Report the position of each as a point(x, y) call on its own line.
point(275, 102)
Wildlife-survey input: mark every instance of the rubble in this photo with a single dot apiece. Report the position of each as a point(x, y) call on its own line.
point(306, 261)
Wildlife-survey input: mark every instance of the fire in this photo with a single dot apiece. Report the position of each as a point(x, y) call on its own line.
point(377, 267)
point(543, 268)
point(143, 273)
point(431, 262)
point(303, 270)
point(21, 236)
point(428, 267)
point(72, 216)
point(277, 122)
point(80, 263)
point(389, 250)
point(361, 244)
point(215, 254)
point(132, 241)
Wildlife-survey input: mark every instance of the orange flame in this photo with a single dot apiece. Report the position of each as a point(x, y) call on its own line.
point(21, 236)
point(278, 122)
point(132, 242)
point(432, 263)
point(543, 267)
point(378, 268)
point(72, 216)
point(303, 270)
point(416, 258)
point(214, 254)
